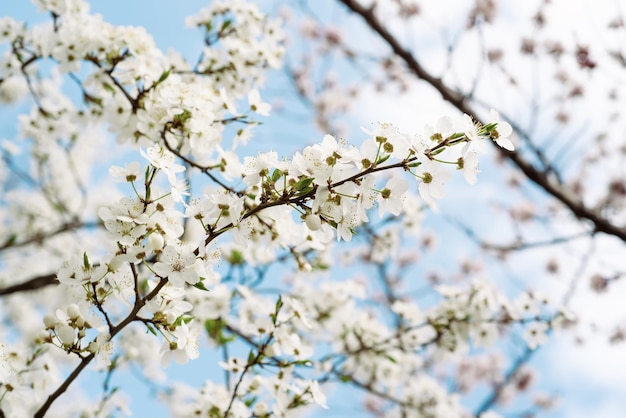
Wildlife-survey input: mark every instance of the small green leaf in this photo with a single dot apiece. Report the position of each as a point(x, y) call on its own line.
point(226, 25)
point(304, 191)
point(151, 329)
point(235, 258)
point(200, 285)
point(214, 328)
point(279, 303)
point(85, 260)
point(164, 76)
point(490, 127)
point(439, 151)
point(276, 174)
point(391, 359)
point(382, 159)
point(303, 184)
point(9, 242)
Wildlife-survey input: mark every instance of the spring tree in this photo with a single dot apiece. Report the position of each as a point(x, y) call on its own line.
point(138, 232)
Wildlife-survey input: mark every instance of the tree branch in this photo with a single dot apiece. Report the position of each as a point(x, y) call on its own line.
point(565, 196)
point(32, 284)
point(132, 316)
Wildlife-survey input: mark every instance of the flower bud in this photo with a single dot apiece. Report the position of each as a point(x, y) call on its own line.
point(313, 222)
point(49, 321)
point(80, 322)
point(260, 409)
point(73, 311)
point(155, 242)
point(43, 336)
point(66, 334)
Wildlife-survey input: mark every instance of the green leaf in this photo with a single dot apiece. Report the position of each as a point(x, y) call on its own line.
point(91, 99)
point(276, 174)
point(391, 359)
point(251, 357)
point(279, 303)
point(490, 127)
point(85, 260)
point(304, 191)
point(164, 76)
point(151, 329)
point(10, 241)
point(235, 258)
point(214, 328)
point(303, 184)
point(200, 285)
point(382, 159)
point(226, 25)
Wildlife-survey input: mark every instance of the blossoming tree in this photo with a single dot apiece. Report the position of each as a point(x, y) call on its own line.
point(137, 232)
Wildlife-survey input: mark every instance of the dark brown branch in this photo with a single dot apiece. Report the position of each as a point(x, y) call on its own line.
point(39, 237)
point(132, 316)
point(566, 197)
point(518, 244)
point(32, 284)
point(497, 391)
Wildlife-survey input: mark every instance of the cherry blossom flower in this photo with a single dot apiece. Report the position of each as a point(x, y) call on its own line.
point(186, 346)
point(433, 179)
point(536, 334)
point(316, 393)
point(258, 167)
point(129, 173)
point(391, 197)
point(77, 271)
point(503, 131)
point(102, 346)
point(175, 265)
point(469, 165)
point(163, 159)
point(257, 105)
